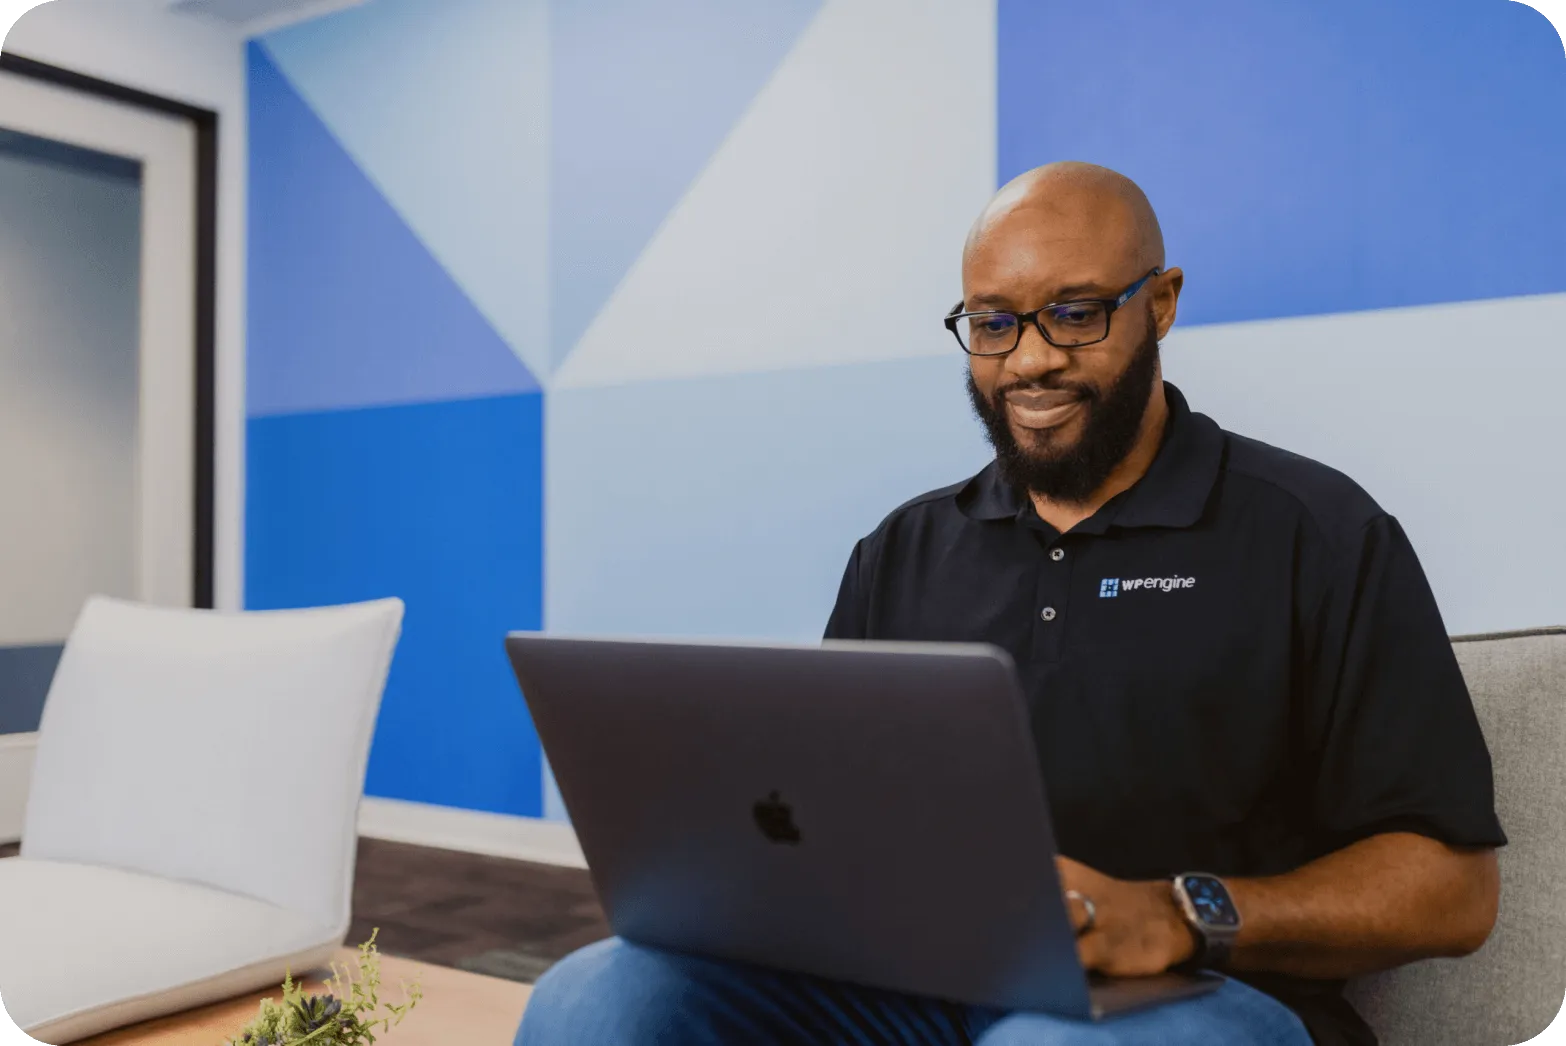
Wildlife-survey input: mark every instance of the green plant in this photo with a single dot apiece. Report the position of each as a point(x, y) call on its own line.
point(348, 1015)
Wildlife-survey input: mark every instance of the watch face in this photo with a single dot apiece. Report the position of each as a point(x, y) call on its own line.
point(1211, 900)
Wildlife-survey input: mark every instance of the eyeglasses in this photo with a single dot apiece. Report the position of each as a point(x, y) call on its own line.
point(1065, 324)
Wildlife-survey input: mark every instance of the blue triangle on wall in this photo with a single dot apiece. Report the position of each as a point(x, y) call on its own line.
point(347, 308)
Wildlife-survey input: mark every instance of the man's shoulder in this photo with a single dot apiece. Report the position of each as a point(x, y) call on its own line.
point(1337, 505)
point(934, 507)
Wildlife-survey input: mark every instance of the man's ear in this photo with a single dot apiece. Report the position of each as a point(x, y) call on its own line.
point(1166, 300)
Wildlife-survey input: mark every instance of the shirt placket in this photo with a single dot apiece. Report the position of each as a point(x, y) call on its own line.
point(1051, 603)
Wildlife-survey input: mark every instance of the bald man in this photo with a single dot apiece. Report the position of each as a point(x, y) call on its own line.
point(1260, 755)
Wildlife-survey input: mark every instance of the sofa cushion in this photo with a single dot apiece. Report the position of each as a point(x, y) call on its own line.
point(1512, 988)
point(85, 949)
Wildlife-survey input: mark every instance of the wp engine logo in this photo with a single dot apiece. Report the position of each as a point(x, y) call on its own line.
point(1112, 587)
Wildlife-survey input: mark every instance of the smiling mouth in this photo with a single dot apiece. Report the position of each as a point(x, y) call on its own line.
point(1041, 411)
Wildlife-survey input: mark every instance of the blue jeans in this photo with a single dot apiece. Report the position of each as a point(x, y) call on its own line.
point(618, 994)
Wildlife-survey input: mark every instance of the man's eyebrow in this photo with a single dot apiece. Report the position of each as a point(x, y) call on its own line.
point(1081, 290)
point(1064, 294)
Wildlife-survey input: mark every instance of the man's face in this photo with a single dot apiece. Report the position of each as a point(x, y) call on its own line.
point(1062, 419)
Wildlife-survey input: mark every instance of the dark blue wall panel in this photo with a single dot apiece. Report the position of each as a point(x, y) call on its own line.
point(442, 505)
point(25, 675)
point(1309, 157)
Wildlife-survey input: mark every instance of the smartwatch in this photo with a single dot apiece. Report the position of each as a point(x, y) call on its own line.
point(1209, 911)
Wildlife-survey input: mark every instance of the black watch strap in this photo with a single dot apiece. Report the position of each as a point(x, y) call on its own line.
point(1214, 953)
point(1199, 954)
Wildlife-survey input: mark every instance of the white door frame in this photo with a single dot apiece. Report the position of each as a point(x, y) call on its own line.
point(177, 147)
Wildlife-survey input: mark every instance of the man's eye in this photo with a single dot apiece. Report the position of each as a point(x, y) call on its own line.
point(997, 325)
point(1074, 315)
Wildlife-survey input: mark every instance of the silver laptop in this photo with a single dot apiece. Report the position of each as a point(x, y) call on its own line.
point(867, 812)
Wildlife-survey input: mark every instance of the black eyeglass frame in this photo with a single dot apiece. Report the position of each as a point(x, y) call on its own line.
point(1023, 318)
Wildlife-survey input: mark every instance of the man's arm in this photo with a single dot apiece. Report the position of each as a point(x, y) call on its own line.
point(1378, 903)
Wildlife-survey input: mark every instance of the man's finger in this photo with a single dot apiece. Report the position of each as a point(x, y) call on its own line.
point(1091, 951)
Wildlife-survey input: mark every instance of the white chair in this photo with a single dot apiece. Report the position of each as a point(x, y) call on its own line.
point(192, 823)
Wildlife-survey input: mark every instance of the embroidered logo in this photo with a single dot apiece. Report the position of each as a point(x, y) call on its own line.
point(1111, 587)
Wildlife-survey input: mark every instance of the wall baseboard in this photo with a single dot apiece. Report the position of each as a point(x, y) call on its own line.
point(470, 831)
point(16, 774)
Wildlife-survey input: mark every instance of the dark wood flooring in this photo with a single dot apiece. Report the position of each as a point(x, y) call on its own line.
point(490, 915)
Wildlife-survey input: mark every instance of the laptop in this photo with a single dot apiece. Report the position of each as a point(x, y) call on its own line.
point(868, 812)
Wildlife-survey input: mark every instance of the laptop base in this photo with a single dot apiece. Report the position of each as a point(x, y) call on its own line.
point(1115, 996)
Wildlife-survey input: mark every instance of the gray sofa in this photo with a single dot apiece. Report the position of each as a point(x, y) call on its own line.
point(1512, 988)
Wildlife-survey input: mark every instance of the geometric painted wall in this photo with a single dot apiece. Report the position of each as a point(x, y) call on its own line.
point(623, 316)
point(394, 448)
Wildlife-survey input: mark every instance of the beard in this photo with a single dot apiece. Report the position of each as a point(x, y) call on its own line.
point(1071, 473)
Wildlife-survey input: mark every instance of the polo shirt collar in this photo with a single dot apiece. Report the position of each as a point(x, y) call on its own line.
point(1173, 493)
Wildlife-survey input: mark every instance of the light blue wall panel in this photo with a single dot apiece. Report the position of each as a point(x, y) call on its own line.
point(1450, 415)
point(1309, 157)
point(728, 506)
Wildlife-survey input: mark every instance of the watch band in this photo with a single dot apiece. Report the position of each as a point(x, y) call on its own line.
point(1215, 951)
point(1202, 957)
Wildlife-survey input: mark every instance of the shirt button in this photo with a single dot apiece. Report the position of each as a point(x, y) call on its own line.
point(1057, 554)
point(1048, 613)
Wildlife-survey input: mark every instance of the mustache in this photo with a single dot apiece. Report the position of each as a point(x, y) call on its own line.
point(1088, 393)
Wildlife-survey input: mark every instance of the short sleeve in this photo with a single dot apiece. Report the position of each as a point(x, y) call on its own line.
point(1399, 745)
point(850, 617)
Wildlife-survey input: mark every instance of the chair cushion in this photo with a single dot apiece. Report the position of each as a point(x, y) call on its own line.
point(170, 735)
point(85, 949)
point(1511, 989)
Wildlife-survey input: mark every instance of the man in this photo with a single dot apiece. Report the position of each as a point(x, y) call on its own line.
point(1233, 662)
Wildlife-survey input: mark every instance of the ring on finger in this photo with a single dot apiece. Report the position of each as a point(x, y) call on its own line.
point(1088, 907)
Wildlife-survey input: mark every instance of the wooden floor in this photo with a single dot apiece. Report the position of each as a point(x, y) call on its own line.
point(487, 915)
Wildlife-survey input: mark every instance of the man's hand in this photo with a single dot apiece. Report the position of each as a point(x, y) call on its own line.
point(1137, 930)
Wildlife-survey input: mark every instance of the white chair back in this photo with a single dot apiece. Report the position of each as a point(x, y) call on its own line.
point(219, 748)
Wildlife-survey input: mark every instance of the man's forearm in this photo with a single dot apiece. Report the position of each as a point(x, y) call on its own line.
point(1386, 900)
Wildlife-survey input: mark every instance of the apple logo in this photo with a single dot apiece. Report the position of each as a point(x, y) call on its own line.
point(775, 818)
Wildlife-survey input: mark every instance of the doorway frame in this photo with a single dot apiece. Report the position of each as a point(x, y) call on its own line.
point(205, 124)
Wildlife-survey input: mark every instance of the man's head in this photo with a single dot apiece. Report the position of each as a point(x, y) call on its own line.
point(1061, 419)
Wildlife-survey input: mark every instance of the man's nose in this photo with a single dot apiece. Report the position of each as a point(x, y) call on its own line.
point(1034, 356)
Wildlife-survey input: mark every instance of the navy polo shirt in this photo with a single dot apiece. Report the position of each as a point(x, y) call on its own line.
point(1236, 666)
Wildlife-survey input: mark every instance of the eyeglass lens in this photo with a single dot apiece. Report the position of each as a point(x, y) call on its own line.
point(1068, 325)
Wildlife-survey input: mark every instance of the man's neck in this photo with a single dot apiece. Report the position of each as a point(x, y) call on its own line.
point(1064, 515)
